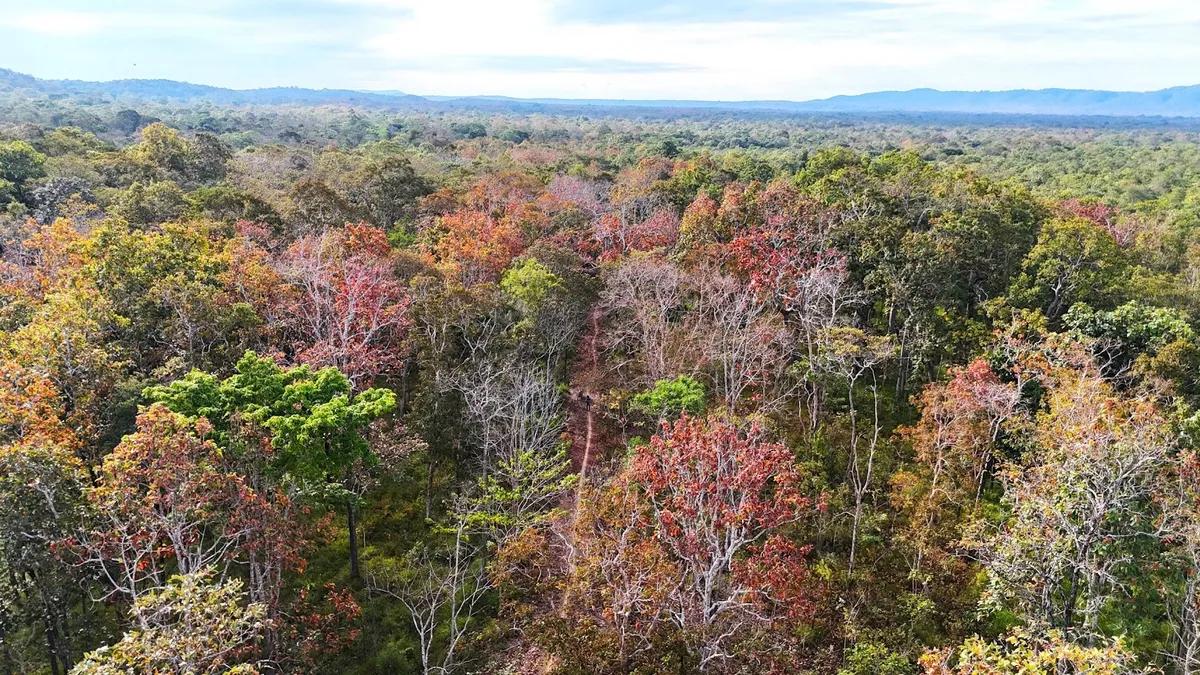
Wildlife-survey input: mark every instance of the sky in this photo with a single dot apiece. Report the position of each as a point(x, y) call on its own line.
point(637, 49)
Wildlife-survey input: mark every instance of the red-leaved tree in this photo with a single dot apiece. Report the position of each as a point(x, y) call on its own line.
point(719, 497)
point(164, 504)
point(474, 246)
point(788, 258)
point(349, 310)
point(625, 230)
point(954, 444)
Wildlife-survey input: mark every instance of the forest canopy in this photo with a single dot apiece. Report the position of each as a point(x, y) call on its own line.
point(314, 389)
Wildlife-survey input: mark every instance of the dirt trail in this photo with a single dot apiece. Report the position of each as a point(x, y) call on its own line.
point(581, 408)
point(581, 427)
point(587, 380)
point(589, 439)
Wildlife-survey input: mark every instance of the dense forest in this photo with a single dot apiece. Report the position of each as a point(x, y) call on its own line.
point(313, 389)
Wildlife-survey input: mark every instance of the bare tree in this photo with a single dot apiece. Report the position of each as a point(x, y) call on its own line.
point(350, 312)
point(589, 196)
point(443, 591)
point(852, 355)
point(618, 576)
point(790, 259)
point(1180, 501)
point(639, 221)
point(736, 338)
point(955, 441)
point(640, 296)
point(513, 406)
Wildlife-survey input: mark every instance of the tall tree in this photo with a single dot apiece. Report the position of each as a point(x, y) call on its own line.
point(718, 498)
point(1080, 505)
point(348, 311)
point(313, 419)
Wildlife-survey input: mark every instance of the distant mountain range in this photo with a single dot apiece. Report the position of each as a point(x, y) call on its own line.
point(1173, 102)
point(183, 92)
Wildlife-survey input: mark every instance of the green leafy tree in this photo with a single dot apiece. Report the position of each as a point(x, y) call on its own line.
point(391, 190)
point(19, 164)
point(229, 204)
point(40, 503)
point(163, 147)
point(1024, 653)
point(669, 399)
point(870, 658)
point(528, 284)
point(208, 158)
point(1074, 261)
point(315, 425)
point(158, 202)
point(521, 492)
point(179, 302)
point(314, 206)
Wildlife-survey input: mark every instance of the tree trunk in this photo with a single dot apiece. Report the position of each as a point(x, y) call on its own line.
point(9, 668)
point(429, 488)
point(352, 524)
point(405, 376)
point(68, 660)
point(52, 645)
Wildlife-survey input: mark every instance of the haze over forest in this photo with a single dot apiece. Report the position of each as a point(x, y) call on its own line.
point(1181, 101)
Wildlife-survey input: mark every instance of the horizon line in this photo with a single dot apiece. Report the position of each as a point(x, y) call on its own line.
point(395, 93)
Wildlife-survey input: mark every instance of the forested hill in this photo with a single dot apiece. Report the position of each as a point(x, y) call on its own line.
point(1173, 102)
point(184, 92)
point(1176, 101)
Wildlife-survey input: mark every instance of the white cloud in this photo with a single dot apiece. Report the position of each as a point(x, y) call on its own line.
point(527, 48)
point(66, 23)
point(973, 44)
point(56, 23)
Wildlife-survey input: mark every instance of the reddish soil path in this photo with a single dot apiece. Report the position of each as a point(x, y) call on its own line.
point(581, 428)
point(581, 415)
point(590, 438)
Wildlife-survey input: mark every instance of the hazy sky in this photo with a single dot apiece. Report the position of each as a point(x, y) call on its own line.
point(703, 49)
